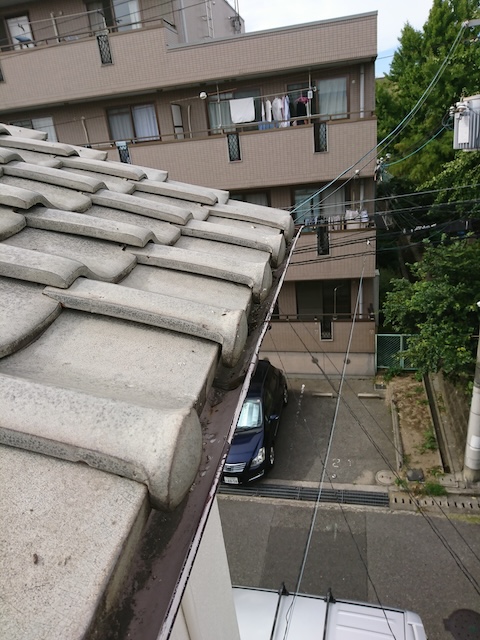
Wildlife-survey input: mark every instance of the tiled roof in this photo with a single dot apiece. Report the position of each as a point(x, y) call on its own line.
point(123, 296)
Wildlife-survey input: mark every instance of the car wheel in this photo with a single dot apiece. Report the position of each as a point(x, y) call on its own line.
point(271, 456)
point(285, 394)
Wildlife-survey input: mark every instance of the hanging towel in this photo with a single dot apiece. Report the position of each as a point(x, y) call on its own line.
point(268, 110)
point(242, 110)
point(277, 109)
point(286, 111)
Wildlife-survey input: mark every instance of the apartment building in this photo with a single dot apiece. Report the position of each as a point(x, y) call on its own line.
point(281, 118)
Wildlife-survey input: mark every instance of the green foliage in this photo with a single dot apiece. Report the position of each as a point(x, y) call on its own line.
point(391, 373)
point(436, 471)
point(439, 307)
point(461, 177)
point(414, 66)
point(401, 483)
point(433, 488)
point(429, 441)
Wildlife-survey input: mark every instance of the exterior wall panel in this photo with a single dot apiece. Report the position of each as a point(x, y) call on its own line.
point(349, 257)
point(305, 336)
point(275, 158)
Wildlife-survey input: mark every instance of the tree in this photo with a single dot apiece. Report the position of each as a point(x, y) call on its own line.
point(439, 307)
point(456, 187)
point(414, 66)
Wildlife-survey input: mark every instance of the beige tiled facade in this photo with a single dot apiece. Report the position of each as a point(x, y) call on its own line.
point(170, 58)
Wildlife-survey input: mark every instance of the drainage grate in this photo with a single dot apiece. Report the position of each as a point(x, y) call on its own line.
point(335, 496)
point(463, 503)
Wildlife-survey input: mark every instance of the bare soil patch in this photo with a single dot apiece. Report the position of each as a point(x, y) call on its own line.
point(417, 432)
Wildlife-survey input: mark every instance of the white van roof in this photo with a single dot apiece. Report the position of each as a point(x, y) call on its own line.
point(258, 610)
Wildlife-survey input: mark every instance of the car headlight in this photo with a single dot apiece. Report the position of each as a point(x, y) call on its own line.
point(259, 458)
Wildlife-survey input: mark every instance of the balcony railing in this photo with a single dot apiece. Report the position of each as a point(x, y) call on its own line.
point(67, 28)
point(234, 135)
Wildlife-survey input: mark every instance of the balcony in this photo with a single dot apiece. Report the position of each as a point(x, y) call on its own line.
point(321, 334)
point(64, 67)
point(351, 252)
point(263, 160)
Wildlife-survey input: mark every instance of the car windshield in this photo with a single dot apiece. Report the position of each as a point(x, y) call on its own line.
point(250, 416)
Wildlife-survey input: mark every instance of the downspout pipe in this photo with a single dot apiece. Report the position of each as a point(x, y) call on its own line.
point(362, 91)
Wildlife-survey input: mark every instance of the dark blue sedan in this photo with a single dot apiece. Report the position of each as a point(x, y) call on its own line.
point(252, 453)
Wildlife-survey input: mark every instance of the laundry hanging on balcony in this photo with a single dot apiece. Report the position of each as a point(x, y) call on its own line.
point(242, 110)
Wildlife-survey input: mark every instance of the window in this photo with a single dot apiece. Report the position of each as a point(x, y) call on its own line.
point(332, 98)
point(122, 15)
point(313, 208)
point(127, 15)
point(323, 301)
point(254, 197)
point(100, 15)
point(40, 124)
point(20, 32)
point(233, 144)
point(138, 122)
point(177, 121)
point(219, 110)
point(309, 299)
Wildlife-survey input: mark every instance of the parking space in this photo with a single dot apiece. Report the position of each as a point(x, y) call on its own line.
point(362, 442)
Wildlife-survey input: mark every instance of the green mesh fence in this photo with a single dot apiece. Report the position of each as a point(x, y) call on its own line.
point(389, 352)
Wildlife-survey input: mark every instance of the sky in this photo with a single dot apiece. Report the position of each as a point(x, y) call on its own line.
point(392, 16)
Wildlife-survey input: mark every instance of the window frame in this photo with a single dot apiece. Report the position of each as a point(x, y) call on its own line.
point(29, 123)
point(340, 115)
point(130, 108)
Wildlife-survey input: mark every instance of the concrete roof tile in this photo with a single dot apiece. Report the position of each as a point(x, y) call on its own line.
point(162, 232)
point(23, 155)
point(47, 194)
point(274, 244)
point(276, 218)
point(112, 183)
point(12, 130)
point(9, 156)
point(256, 275)
point(94, 154)
point(34, 266)
point(154, 174)
point(165, 212)
point(101, 260)
point(119, 359)
point(10, 223)
point(198, 211)
point(180, 191)
point(117, 169)
point(227, 327)
point(159, 449)
point(221, 195)
point(19, 197)
point(41, 146)
point(64, 528)
point(88, 225)
point(190, 286)
point(50, 175)
point(24, 314)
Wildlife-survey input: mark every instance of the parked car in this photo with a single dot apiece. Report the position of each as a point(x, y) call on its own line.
point(265, 615)
point(252, 453)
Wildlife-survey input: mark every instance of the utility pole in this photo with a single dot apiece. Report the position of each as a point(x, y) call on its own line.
point(471, 468)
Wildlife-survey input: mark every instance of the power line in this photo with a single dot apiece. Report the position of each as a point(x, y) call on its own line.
point(388, 139)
